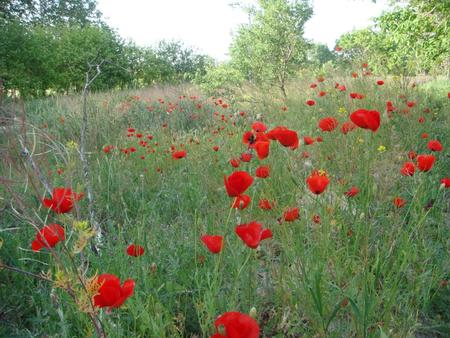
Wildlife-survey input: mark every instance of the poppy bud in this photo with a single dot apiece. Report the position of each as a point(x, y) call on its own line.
point(253, 313)
point(153, 267)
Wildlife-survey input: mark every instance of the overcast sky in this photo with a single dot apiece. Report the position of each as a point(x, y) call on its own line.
point(207, 25)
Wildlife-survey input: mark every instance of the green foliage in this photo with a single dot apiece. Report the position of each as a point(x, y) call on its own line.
point(47, 46)
point(318, 54)
point(51, 12)
point(410, 40)
point(180, 62)
point(271, 47)
point(36, 59)
point(25, 58)
point(76, 47)
point(223, 80)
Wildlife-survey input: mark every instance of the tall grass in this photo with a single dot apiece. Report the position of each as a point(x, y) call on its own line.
point(367, 269)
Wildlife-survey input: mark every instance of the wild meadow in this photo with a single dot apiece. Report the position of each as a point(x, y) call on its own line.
point(324, 214)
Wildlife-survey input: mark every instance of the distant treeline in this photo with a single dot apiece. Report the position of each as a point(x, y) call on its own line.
point(46, 46)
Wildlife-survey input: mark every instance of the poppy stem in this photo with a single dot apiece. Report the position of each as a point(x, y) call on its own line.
point(94, 318)
point(236, 281)
point(216, 272)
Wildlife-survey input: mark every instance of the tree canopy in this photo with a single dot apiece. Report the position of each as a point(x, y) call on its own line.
point(271, 46)
point(406, 40)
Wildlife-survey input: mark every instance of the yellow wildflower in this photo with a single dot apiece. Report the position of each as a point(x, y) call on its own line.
point(72, 145)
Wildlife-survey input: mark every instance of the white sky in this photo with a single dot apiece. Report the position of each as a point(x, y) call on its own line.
point(207, 25)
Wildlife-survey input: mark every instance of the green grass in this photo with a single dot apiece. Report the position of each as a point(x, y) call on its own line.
point(367, 270)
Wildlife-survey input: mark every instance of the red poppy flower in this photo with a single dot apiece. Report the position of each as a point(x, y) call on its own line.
point(259, 127)
point(352, 192)
point(317, 182)
point(135, 250)
point(446, 182)
point(235, 162)
point(107, 149)
point(262, 149)
point(237, 183)
point(261, 137)
point(380, 82)
point(408, 169)
point(213, 243)
point(356, 96)
point(425, 162)
point(248, 137)
point(286, 137)
point(235, 325)
point(216, 148)
point(310, 102)
point(435, 145)
point(291, 215)
point(179, 154)
point(62, 200)
point(252, 233)
point(246, 157)
point(319, 139)
point(366, 119)
point(131, 130)
point(48, 237)
point(399, 202)
point(322, 93)
point(347, 126)
point(262, 172)
point(412, 155)
point(313, 85)
point(241, 202)
point(411, 104)
point(328, 124)
point(354, 75)
point(390, 107)
point(265, 204)
point(111, 293)
point(338, 49)
point(308, 140)
point(425, 135)
point(316, 219)
point(421, 119)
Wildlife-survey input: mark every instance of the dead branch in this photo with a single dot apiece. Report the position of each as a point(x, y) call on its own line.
point(83, 157)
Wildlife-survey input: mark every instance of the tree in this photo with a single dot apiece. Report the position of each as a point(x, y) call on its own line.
point(75, 47)
point(51, 12)
point(180, 62)
point(271, 47)
point(318, 54)
point(406, 40)
point(26, 62)
point(48, 44)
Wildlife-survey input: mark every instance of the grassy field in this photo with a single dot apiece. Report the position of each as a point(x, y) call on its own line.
point(361, 266)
